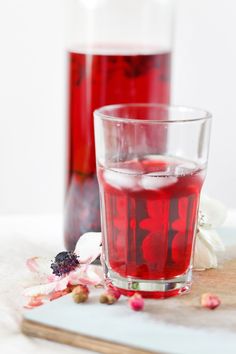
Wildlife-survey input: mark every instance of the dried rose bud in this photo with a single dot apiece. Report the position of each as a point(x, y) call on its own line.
point(107, 299)
point(110, 296)
point(210, 301)
point(80, 293)
point(71, 287)
point(136, 302)
point(114, 292)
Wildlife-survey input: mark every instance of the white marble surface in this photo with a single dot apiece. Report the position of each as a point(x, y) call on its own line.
point(23, 236)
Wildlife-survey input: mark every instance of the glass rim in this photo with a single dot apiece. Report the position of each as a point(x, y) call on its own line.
point(200, 114)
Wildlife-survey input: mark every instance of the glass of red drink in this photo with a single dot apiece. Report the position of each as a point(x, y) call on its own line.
point(151, 164)
point(118, 51)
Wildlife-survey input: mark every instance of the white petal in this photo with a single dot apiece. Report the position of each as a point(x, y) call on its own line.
point(214, 210)
point(87, 275)
point(95, 274)
point(88, 247)
point(62, 284)
point(207, 247)
point(40, 265)
point(74, 277)
point(43, 289)
point(211, 239)
point(46, 289)
point(204, 257)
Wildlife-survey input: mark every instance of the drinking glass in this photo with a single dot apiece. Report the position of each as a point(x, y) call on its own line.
point(151, 164)
point(118, 51)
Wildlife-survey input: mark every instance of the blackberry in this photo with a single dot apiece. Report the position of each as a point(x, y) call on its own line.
point(64, 263)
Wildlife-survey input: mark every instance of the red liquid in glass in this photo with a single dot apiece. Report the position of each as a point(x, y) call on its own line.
point(95, 81)
point(150, 208)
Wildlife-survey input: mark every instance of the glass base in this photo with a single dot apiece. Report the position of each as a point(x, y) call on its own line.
point(158, 289)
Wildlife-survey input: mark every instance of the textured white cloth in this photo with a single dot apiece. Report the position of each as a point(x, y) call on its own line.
point(22, 237)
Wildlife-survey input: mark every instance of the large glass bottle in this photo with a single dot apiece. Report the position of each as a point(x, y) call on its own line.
point(119, 51)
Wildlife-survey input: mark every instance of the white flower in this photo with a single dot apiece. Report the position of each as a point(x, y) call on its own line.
point(208, 244)
point(88, 248)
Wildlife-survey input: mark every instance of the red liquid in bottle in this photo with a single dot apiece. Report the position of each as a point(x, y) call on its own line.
point(150, 209)
point(95, 81)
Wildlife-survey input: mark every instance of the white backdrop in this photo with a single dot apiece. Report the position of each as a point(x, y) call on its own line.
point(32, 90)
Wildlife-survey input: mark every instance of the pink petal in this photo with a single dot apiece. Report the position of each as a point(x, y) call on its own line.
point(74, 277)
point(62, 284)
point(35, 301)
point(51, 278)
point(46, 289)
point(57, 294)
point(43, 289)
point(86, 275)
point(40, 265)
point(32, 265)
point(94, 274)
point(88, 247)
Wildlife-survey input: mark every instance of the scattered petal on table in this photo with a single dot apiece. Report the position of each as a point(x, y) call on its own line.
point(34, 301)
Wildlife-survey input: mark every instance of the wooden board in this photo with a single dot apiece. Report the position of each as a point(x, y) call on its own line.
point(165, 326)
point(72, 338)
